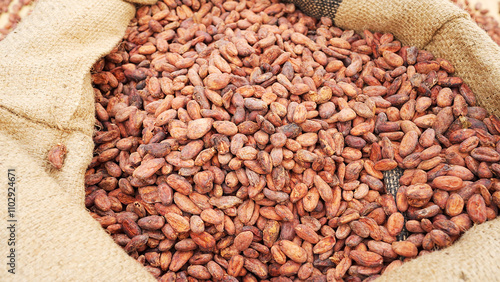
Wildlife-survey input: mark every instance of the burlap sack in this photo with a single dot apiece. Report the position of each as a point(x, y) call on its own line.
point(448, 32)
point(46, 98)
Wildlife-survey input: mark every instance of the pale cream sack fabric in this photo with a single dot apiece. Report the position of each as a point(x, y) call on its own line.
point(448, 32)
point(46, 97)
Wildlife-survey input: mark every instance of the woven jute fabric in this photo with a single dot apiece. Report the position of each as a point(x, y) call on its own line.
point(46, 98)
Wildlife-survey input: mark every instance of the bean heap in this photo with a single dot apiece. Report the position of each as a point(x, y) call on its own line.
point(247, 141)
point(480, 15)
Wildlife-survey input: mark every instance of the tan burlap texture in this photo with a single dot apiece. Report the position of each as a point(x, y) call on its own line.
point(46, 98)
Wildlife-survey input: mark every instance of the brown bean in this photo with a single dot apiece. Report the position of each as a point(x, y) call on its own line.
point(247, 150)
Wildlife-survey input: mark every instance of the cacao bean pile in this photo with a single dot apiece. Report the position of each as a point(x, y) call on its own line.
point(4, 5)
point(482, 17)
point(247, 141)
point(12, 11)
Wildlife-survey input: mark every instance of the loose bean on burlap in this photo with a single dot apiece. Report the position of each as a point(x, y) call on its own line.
point(46, 98)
